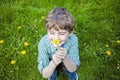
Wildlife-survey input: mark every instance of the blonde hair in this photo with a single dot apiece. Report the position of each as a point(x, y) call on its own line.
point(59, 18)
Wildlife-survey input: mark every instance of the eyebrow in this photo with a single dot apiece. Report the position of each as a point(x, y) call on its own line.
point(50, 31)
point(62, 32)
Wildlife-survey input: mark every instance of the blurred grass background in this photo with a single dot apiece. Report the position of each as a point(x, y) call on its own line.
point(97, 25)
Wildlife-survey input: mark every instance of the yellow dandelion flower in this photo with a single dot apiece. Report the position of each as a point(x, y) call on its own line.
point(19, 27)
point(12, 62)
point(56, 41)
point(1, 41)
point(42, 17)
point(108, 53)
point(118, 41)
point(106, 45)
point(23, 52)
point(26, 44)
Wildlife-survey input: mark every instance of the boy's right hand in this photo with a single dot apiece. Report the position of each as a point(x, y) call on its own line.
point(56, 59)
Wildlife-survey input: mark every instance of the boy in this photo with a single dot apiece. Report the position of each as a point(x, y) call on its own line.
point(59, 46)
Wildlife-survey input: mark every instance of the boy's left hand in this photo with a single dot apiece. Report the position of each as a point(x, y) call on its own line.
point(61, 52)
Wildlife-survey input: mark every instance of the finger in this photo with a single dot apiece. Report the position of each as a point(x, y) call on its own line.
point(54, 57)
point(60, 48)
point(60, 56)
point(61, 52)
point(57, 60)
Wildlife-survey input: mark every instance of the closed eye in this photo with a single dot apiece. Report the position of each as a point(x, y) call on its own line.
point(51, 32)
point(62, 33)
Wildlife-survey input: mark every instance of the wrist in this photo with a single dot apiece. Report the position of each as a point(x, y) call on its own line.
point(53, 62)
point(64, 58)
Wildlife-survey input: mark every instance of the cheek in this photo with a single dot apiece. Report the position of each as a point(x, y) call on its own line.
point(50, 37)
point(64, 38)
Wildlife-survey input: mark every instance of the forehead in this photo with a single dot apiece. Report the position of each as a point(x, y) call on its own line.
point(59, 30)
point(55, 26)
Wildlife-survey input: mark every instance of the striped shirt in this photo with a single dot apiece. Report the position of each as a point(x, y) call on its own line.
point(46, 50)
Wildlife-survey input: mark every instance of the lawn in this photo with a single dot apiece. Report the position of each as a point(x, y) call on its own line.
point(97, 25)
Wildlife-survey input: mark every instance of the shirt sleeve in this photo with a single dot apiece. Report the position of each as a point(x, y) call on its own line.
point(73, 52)
point(43, 58)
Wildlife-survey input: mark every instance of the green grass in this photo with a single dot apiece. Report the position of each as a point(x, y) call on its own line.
point(96, 25)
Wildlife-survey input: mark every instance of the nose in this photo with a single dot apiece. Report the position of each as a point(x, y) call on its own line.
point(56, 36)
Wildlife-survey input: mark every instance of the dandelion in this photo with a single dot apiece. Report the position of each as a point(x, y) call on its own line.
point(118, 66)
point(106, 45)
point(118, 41)
point(108, 53)
point(19, 27)
point(23, 52)
point(42, 17)
point(1, 41)
point(56, 41)
point(12, 62)
point(26, 44)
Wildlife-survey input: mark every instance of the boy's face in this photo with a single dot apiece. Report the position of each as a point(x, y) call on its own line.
point(61, 35)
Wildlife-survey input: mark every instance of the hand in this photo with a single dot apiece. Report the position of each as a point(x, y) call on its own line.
point(56, 59)
point(61, 52)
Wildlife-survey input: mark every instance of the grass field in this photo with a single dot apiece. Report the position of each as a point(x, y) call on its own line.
point(97, 25)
